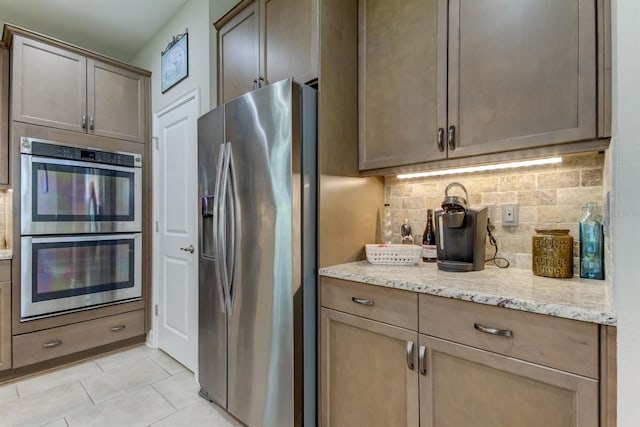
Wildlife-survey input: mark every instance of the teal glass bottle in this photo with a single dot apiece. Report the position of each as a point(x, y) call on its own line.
point(591, 243)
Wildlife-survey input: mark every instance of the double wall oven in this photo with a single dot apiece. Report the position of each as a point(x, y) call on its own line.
point(81, 224)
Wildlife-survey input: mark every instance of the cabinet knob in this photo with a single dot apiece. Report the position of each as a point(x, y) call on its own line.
point(441, 139)
point(452, 137)
point(91, 123)
point(410, 355)
point(84, 122)
point(493, 331)
point(362, 301)
point(52, 344)
point(255, 84)
point(422, 360)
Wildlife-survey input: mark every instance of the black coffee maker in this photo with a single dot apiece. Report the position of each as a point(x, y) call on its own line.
point(460, 233)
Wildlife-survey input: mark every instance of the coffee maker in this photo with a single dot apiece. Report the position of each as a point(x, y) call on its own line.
point(460, 233)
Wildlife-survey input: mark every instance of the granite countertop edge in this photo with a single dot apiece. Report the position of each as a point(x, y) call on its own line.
point(568, 311)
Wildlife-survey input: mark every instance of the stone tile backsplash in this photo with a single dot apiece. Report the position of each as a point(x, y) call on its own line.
point(548, 197)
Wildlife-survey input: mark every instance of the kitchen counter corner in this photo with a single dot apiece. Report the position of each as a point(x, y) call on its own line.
point(575, 298)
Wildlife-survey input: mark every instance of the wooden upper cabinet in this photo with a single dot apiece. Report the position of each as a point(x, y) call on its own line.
point(402, 87)
point(49, 85)
point(522, 74)
point(487, 76)
point(290, 34)
point(63, 89)
point(466, 387)
point(264, 41)
point(239, 54)
point(4, 116)
point(117, 101)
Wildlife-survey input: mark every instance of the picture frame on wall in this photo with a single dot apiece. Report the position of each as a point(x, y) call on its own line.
point(174, 62)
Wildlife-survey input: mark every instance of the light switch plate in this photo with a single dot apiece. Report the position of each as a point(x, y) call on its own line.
point(510, 215)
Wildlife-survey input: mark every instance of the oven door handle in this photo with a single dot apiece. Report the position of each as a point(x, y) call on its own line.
point(216, 228)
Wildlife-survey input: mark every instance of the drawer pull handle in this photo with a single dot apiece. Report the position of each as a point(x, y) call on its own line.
point(362, 301)
point(422, 360)
point(493, 331)
point(410, 355)
point(117, 328)
point(52, 344)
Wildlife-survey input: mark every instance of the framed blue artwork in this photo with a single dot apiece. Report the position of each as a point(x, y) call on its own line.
point(175, 62)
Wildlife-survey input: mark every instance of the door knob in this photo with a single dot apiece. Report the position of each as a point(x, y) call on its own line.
point(189, 249)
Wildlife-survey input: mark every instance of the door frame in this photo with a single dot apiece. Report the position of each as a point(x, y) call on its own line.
point(152, 336)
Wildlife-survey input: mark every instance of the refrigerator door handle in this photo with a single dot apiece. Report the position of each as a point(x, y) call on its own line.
point(216, 229)
point(222, 225)
point(235, 230)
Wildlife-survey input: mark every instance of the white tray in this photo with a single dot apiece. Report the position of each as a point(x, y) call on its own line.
point(393, 254)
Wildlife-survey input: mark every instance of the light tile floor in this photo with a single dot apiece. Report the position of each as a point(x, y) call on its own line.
point(140, 386)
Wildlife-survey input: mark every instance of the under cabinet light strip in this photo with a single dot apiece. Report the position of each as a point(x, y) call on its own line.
point(495, 166)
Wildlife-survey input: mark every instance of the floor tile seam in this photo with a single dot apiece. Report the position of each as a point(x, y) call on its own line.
point(59, 385)
point(161, 367)
point(129, 391)
point(164, 397)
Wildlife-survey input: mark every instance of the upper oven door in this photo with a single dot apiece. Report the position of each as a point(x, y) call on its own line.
point(68, 196)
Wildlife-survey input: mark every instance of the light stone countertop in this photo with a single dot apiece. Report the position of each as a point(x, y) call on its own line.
point(575, 298)
point(6, 253)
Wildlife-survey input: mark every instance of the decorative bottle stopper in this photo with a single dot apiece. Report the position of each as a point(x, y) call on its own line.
point(406, 238)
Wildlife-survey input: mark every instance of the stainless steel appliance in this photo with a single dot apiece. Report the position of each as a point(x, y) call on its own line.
point(257, 266)
point(64, 273)
point(67, 189)
point(460, 233)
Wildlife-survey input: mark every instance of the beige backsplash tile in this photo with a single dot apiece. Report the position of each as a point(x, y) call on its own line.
point(548, 197)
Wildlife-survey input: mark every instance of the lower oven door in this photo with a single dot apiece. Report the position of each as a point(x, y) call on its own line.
point(70, 273)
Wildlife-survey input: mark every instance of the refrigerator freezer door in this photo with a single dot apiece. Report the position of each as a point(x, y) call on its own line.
point(261, 128)
point(212, 320)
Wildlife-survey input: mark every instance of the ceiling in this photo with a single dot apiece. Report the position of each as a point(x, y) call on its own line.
point(116, 28)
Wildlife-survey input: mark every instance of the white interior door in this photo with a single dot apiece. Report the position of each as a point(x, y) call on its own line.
point(177, 274)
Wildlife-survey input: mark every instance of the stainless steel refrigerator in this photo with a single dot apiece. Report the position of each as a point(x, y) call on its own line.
point(257, 268)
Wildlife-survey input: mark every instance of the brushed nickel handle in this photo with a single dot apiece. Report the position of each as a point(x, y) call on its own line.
point(452, 137)
point(117, 328)
point(410, 355)
point(189, 249)
point(52, 344)
point(261, 80)
point(362, 301)
point(84, 121)
point(441, 139)
point(255, 84)
point(493, 331)
point(422, 360)
point(90, 123)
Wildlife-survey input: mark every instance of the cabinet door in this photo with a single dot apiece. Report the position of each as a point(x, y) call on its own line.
point(4, 116)
point(117, 100)
point(239, 54)
point(49, 85)
point(468, 387)
point(290, 37)
point(522, 74)
point(366, 379)
point(5, 325)
point(403, 78)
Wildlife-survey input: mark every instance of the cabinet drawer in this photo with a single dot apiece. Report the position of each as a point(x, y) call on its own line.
point(551, 341)
point(392, 306)
point(55, 342)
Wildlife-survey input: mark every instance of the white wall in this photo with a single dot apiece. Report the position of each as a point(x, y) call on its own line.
point(197, 16)
point(625, 153)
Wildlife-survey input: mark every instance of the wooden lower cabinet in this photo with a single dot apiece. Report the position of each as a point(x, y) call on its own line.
point(468, 387)
point(5, 325)
point(48, 344)
point(369, 373)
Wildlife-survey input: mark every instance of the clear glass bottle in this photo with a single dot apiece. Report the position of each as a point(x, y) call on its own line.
point(406, 238)
point(387, 232)
point(591, 243)
point(429, 250)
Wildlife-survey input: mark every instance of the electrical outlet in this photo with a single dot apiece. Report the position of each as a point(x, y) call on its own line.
point(510, 215)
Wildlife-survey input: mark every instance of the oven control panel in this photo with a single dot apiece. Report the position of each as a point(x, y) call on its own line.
point(50, 149)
